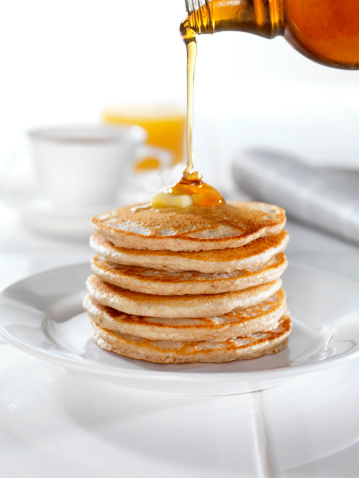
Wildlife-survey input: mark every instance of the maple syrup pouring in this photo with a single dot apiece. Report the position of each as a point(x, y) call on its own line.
point(191, 46)
point(190, 190)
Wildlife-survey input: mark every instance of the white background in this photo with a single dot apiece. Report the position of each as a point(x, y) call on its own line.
point(63, 61)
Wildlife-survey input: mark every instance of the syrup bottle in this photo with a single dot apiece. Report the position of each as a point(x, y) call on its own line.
point(326, 31)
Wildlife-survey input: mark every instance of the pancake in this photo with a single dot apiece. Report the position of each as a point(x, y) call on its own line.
point(259, 318)
point(249, 256)
point(171, 306)
point(165, 351)
point(230, 225)
point(152, 281)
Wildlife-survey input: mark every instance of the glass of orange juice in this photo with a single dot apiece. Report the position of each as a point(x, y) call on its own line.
point(165, 125)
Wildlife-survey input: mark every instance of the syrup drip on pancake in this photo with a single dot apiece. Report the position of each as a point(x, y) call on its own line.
point(189, 191)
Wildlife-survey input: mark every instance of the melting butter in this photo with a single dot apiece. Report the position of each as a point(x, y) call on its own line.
point(171, 200)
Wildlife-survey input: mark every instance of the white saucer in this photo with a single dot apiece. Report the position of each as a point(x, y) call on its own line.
point(68, 222)
point(65, 222)
point(42, 315)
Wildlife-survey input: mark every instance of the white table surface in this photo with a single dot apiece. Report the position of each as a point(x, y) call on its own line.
point(53, 424)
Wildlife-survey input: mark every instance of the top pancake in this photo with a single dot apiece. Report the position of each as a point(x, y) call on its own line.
point(230, 225)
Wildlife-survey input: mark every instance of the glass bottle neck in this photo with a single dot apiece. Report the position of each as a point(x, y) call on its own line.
point(192, 5)
point(199, 16)
point(260, 17)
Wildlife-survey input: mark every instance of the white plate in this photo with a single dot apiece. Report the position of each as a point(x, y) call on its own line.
point(42, 315)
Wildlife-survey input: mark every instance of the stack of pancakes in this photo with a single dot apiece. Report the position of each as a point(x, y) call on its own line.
point(193, 285)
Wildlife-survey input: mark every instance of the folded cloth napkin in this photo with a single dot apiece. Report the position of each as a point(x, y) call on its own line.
point(326, 198)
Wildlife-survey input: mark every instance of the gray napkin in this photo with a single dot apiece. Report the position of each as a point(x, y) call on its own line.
point(326, 198)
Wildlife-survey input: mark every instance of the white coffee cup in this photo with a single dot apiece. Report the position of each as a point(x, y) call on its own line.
point(84, 166)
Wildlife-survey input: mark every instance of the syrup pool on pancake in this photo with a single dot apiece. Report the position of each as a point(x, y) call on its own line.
point(189, 191)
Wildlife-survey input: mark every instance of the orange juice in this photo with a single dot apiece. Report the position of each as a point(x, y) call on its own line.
point(165, 126)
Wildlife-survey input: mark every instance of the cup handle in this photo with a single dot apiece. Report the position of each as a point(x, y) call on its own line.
point(163, 155)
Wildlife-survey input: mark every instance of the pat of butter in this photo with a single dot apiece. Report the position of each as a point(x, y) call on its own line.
point(171, 200)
